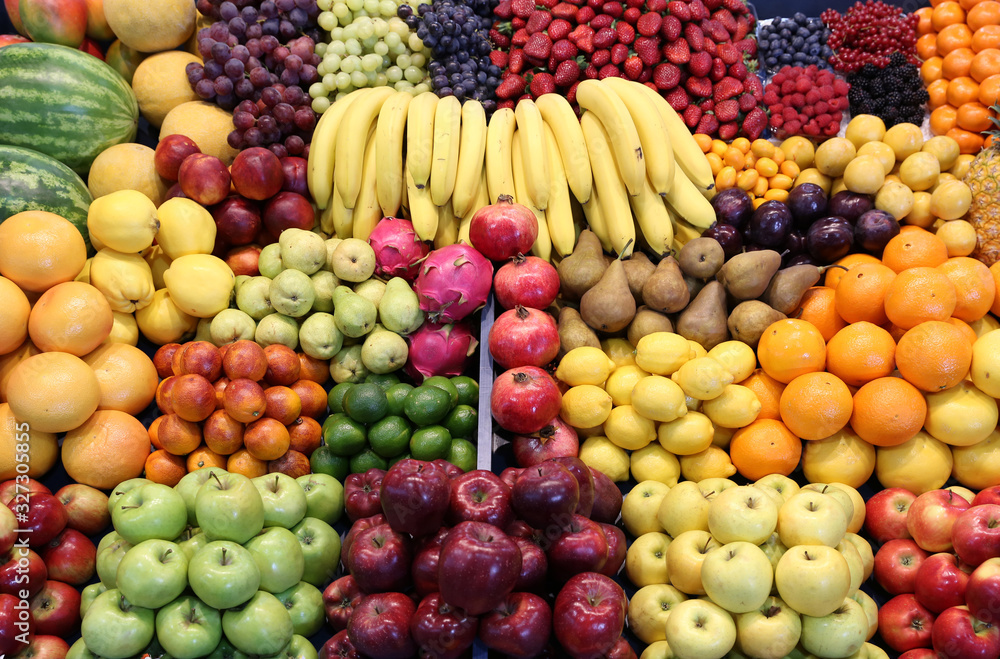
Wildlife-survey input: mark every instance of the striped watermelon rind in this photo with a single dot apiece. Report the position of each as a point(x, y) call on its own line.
point(64, 103)
point(30, 180)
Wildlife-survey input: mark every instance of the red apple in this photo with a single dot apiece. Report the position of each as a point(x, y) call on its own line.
point(237, 220)
point(989, 495)
point(91, 47)
point(339, 600)
point(905, 624)
point(8, 529)
point(941, 582)
point(585, 477)
point(556, 439)
point(616, 549)
point(8, 39)
point(70, 557)
point(379, 560)
point(607, 499)
point(478, 568)
point(339, 647)
point(288, 210)
point(886, 512)
point(243, 260)
point(426, 559)
point(257, 173)
point(896, 565)
point(414, 495)
point(621, 650)
point(589, 614)
point(920, 653)
point(510, 474)
point(14, 13)
point(17, 627)
point(441, 630)
point(9, 489)
point(45, 647)
point(361, 494)
point(380, 626)
point(204, 178)
point(56, 609)
point(976, 533)
point(22, 571)
point(86, 508)
point(545, 495)
point(931, 517)
point(170, 152)
point(294, 169)
point(582, 547)
point(174, 191)
point(62, 22)
point(982, 592)
point(480, 496)
point(357, 527)
point(451, 470)
point(519, 627)
point(41, 517)
point(534, 566)
point(957, 634)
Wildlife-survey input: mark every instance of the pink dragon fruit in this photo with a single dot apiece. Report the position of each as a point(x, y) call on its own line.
point(437, 349)
point(398, 251)
point(453, 282)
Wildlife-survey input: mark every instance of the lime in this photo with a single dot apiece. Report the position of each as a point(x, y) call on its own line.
point(446, 384)
point(430, 443)
point(336, 397)
point(461, 421)
point(468, 390)
point(400, 458)
point(396, 395)
point(462, 454)
point(366, 403)
point(426, 405)
point(325, 461)
point(390, 436)
point(367, 459)
point(384, 380)
point(343, 435)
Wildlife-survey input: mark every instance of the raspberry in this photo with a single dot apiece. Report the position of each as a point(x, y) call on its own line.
point(803, 84)
point(821, 107)
point(778, 79)
point(823, 120)
point(789, 113)
point(787, 87)
point(812, 96)
point(809, 111)
point(826, 93)
point(798, 100)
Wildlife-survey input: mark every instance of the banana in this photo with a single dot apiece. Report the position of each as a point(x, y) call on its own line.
point(559, 212)
point(558, 114)
point(534, 157)
point(367, 211)
point(326, 219)
point(481, 199)
point(447, 138)
point(623, 138)
point(447, 229)
point(322, 153)
point(471, 151)
point(594, 213)
point(352, 140)
point(688, 201)
point(499, 135)
point(656, 149)
point(342, 217)
point(653, 219)
point(389, 131)
point(542, 247)
point(423, 212)
point(614, 196)
point(683, 232)
point(420, 137)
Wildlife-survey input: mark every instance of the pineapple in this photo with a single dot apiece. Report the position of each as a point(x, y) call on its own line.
point(983, 179)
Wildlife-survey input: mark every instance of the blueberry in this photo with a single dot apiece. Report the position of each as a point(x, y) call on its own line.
point(799, 57)
point(771, 62)
point(786, 33)
point(785, 58)
point(798, 42)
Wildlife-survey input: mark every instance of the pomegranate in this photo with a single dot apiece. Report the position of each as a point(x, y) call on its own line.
point(524, 337)
point(527, 281)
point(556, 439)
point(524, 399)
point(503, 230)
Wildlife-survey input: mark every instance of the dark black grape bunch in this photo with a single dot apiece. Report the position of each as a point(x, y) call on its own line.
point(285, 19)
point(457, 32)
point(895, 93)
point(795, 41)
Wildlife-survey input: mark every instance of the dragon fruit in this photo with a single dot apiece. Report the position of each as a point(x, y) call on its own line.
point(437, 349)
point(453, 282)
point(398, 251)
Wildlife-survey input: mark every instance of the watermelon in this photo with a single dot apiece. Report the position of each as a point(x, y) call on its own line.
point(30, 180)
point(64, 103)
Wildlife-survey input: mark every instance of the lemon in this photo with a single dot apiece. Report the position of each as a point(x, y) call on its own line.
point(987, 323)
point(920, 214)
point(813, 175)
point(206, 124)
point(882, 152)
point(944, 148)
point(662, 353)
point(693, 404)
point(958, 235)
point(962, 166)
point(842, 457)
point(702, 378)
point(962, 415)
point(585, 406)
point(920, 170)
point(864, 175)
point(627, 429)
point(864, 128)
point(735, 407)
point(919, 464)
point(736, 357)
point(600, 453)
point(697, 350)
point(655, 463)
point(692, 433)
point(620, 351)
point(658, 398)
point(713, 462)
point(894, 198)
point(951, 200)
point(976, 466)
point(838, 185)
point(833, 156)
point(799, 150)
point(621, 381)
point(584, 365)
point(904, 139)
point(986, 363)
point(722, 436)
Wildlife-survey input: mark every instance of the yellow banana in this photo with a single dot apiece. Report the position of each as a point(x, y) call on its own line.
point(542, 247)
point(595, 96)
point(534, 158)
point(367, 211)
point(447, 138)
point(389, 132)
point(342, 216)
point(499, 135)
point(683, 232)
point(558, 114)
point(447, 229)
point(326, 219)
point(481, 199)
point(352, 140)
point(688, 201)
point(614, 196)
point(653, 219)
point(559, 212)
point(656, 150)
point(594, 213)
point(420, 137)
point(687, 154)
point(423, 212)
point(322, 152)
point(471, 151)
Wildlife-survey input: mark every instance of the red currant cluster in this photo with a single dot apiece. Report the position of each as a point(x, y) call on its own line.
point(868, 33)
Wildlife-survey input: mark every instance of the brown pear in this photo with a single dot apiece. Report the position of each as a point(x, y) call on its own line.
point(694, 286)
point(647, 321)
point(638, 268)
point(665, 290)
point(609, 306)
point(701, 258)
point(704, 320)
point(787, 287)
point(573, 332)
point(749, 319)
point(582, 269)
point(746, 275)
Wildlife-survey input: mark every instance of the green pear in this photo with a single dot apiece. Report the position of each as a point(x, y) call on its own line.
point(269, 261)
point(319, 336)
point(277, 328)
point(254, 297)
point(302, 250)
point(292, 293)
point(355, 315)
point(384, 351)
point(346, 366)
point(371, 289)
point(399, 310)
point(231, 325)
point(324, 283)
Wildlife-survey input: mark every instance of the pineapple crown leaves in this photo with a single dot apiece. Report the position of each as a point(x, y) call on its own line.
point(995, 112)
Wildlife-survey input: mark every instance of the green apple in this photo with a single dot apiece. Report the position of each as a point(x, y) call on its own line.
point(699, 629)
point(189, 485)
point(774, 550)
point(648, 610)
point(646, 560)
point(79, 650)
point(780, 485)
point(813, 579)
point(223, 574)
point(640, 505)
point(304, 603)
point(108, 539)
point(152, 573)
point(229, 507)
point(300, 648)
point(737, 576)
point(88, 595)
point(279, 558)
point(116, 628)
point(685, 556)
point(108, 560)
point(284, 500)
point(812, 518)
point(320, 548)
point(770, 632)
point(260, 626)
point(188, 628)
point(745, 513)
point(149, 511)
point(192, 541)
point(838, 634)
point(124, 487)
point(225, 650)
point(870, 607)
point(324, 497)
point(685, 508)
point(854, 562)
point(661, 650)
point(864, 551)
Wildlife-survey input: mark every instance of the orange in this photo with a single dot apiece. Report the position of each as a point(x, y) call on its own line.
point(917, 247)
point(860, 293)
point(127, 377)
point(266, 439)
point(974, 286)
point(765, 447)
point(860, 353)
point(789, 348)
point(927, 49)
point(985, 63)
point(154, 432)
point(983, 14)
point(989, 90)
point(165, 468)
point(53, 391)
point(42, 448)
point(817, 307)
point(815, 405)
point(14, 319)
point(962, 89)
point(835, 274)
point(768, 392)
point(242, 462)
point(932, 68)
point(953, 37)
point(986, 37)
point(957, 63)
point(934, 356)
point(888, 412)
point(968, 142)
point(71, 317)
point(109, 448)
point(974, 116)
point(11, 360)
point(177, 435)
point(203, 457)
point(39, 250)
point(966, 329)
point(995, 271)
point(969, 4)
point(947, 13)
point(924, 25)
point(944, 117)
point(920, 294)
point(895, 332)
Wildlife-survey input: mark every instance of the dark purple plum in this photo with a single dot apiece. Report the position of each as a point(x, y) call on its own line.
point(800, 259)
point(850, 205)
point(770, 224)
point(807, 203)
point(794, 245)
point(829, 239)
point(726, 235)
point(874, 229)
point(732, 206)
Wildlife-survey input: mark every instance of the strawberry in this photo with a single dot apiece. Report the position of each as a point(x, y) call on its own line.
point(753, 85)
point(728, 130)
point(727, 110)
point(584, 15)
point(747, 102)
point(735, 6)
point(499, 58)
point(691, 115)
point(567, 73)
point(700, 64)
point(646, 75)
point(539, 46)
point(666, 76)
point(542, 83)
point(739, 71)
point(509, 104)
point(625, 32)
point(699, 86)
point(698, 10)
point(671, 27)
point(677, 52)
point(538, 21)
point(519, 38)
point(619, 53)
point(708, 125)
point(522, 8)
point(633, 68)
point(601, 21)
point(711, 48)
point(499, 39)
point(632, 15)
point(571, 94)
point(563, 50)
point(511, 87)
point(548, 4)
point(613, 9)
point(503, 10)
point(712, 5)
point(656, 6)
point(648, 24)
point(695, 37)
point(714, 30)
point(742, 28)
point(565, 11)
point(648, 50)
point(747, 46)
point(707, 105)
point(718, 70)
point(678, 99)
point(729, 53)
point(516, 62)
point(582, 37)
point(595, 4)
point(605, 37)
point(559, 29)
point(590, 72)
point(726, 19)
point(679, 9)
point(754, 123)
point(609, 71)
point(600, 57)
point(636, 4)
point(727, 88)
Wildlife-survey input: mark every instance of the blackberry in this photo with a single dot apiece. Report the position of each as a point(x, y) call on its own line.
point(895, 93)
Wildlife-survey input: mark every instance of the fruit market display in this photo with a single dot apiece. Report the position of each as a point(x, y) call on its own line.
point(795, 40)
